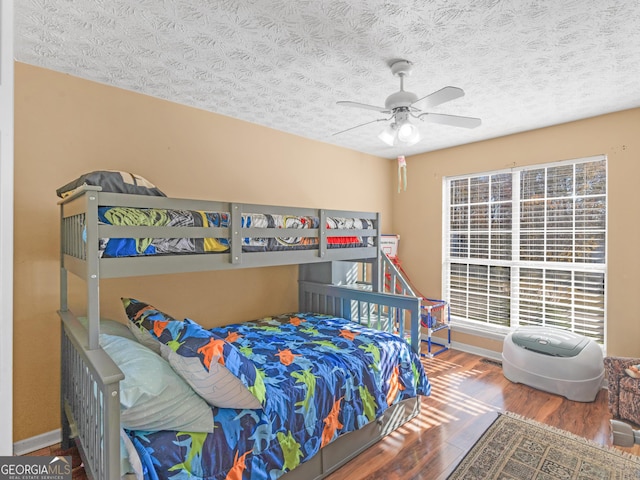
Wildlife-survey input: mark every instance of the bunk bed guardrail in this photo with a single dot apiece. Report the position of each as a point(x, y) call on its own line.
point(397, 314)
point(80, 227)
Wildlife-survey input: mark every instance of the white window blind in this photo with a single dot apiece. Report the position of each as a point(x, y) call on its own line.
point(527, 247)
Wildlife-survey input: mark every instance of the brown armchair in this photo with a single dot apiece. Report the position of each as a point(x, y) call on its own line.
point(624, 399)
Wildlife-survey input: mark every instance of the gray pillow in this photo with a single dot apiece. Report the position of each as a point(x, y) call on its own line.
point(112, 181)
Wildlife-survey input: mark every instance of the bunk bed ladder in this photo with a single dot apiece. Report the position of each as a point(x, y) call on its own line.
point(435, 314)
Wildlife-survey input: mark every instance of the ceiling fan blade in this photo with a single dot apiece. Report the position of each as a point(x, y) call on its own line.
point(361, 125)
point(453, 120)
point(443, 95)
point(364, 105)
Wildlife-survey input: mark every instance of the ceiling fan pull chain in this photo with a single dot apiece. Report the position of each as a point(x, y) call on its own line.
point(402, 173)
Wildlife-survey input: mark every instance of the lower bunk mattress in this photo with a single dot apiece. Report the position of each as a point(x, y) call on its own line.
point(314, 377)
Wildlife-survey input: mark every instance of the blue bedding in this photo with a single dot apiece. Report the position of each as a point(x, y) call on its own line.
point(324, 377)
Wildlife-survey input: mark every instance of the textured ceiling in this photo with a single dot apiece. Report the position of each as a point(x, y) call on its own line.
point(523, 64)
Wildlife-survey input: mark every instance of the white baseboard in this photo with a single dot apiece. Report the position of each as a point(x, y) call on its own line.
point(32, 444)
point(483, 352)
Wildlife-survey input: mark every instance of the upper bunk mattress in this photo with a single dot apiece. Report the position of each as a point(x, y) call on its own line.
point(128, 247)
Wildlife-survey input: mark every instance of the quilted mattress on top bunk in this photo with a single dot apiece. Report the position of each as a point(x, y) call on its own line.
point(315, 377)
point(127, 247)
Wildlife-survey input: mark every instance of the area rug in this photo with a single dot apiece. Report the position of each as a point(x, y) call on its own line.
point(514, 447)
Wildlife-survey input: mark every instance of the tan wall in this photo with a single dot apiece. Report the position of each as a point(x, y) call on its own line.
point(65, 126)
point(417, 213)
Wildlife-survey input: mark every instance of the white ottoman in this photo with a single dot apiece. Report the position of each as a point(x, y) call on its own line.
point(554, 361)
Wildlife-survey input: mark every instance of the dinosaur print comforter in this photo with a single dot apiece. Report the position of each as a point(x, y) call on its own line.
point(155, 217)
point(324, 377)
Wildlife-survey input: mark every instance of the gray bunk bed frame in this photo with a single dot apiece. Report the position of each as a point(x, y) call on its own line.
point(90, 403)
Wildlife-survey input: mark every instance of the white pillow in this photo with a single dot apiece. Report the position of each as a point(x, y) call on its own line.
point(152, 396)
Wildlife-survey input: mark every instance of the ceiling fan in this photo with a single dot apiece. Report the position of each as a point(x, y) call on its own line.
point(402, 106)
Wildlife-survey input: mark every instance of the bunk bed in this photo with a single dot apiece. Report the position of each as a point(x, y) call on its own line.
point(242, 236)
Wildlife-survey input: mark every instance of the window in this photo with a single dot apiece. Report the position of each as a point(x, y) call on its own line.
point(527, 247)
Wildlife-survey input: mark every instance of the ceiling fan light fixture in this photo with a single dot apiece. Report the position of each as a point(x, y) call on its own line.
point(400, 133)
point(389, 134)
point(408, 133)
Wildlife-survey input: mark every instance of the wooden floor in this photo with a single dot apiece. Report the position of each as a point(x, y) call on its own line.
point(467, 392)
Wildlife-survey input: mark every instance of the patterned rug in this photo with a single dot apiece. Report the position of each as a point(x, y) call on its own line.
point(518, 448)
